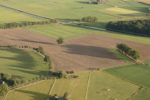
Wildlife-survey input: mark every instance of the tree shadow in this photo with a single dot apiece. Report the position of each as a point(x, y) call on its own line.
point(35, 95)
point(90, 51)
point(24, 63)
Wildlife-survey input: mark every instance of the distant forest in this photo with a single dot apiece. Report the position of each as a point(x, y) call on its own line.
point(136, 27)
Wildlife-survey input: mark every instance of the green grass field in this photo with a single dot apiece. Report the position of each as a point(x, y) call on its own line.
point(67, 32)
point(56, 31)
point(75, 87)
point(22, 64)
point(135, 73)
point(37, 91)
point(77, 9)
point(8, 16)
point(102, 85)
point(142, 95)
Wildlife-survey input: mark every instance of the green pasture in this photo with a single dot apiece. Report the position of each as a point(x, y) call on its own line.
point(64, 31)
point(135, 73)
point(75, 87)
point(7, 16)
point(76, 9)
point(37, 91)
point(67, 31)
point(143, 94)
point(104, 86)
point(22, 64)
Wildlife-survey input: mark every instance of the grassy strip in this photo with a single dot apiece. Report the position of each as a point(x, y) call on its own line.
point(121, 55)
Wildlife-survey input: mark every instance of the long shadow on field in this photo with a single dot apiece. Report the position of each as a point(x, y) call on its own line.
point(25, 63)
point(25, 40)
point(90, 51)
point(35, 95)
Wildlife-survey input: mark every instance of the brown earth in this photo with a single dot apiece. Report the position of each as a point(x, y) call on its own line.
point(81, 53)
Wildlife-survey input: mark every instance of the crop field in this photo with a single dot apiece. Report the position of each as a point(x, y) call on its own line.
point(37, 91)
point(99, 87)
point(108, 87)
point(142, 95)
point(77, 9)
point(67, 32)
point(64, 31)
point(22, 64)
point(8, 16)
point(136, 73)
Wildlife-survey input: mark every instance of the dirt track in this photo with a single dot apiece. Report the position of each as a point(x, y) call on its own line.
point(82, 53)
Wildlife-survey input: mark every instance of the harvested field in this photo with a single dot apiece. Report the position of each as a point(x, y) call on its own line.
point(82, 53)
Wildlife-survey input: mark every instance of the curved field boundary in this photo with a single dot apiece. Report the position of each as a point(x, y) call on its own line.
point(22, 87)
point(23, 12)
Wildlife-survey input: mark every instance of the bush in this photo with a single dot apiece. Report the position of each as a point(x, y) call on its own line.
point(25, 23)
point(129, 51)
point(89, 19)
point(60, 40)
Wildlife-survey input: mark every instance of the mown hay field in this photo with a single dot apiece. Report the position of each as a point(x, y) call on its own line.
point(22, 64)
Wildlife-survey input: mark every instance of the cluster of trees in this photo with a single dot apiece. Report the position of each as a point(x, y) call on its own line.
point(129, 51)
point(24, 23)
point(7, 79)
point(139, 27)
point(89, 19)
point(46, 57)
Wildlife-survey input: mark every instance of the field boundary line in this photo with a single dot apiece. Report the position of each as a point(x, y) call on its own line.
point(22, 87)
point(50, 90)
point(88, 84)
point(124, 79)
point(24, 12)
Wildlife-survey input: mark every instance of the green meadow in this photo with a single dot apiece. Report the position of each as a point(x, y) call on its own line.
point(37, 91)
point(76, 9)
point(67, 32)
point(8, 16)
point(22, 64)
point(101, 85)
point(135, 73)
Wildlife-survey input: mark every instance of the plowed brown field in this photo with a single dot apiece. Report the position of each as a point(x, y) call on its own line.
point(81, 53)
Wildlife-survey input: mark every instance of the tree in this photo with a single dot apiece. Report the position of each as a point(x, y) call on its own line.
point(66, 95)
point(3, 89)
point(60, 40)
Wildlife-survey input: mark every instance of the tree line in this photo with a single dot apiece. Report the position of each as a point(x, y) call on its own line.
point(137, 27)
point(129, 51)
point(25, 23)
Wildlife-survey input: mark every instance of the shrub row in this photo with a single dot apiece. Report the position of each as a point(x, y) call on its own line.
point(138, 27)
point(46, 58)
point(24, 23)
point(89, 19)
point(129, 51)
